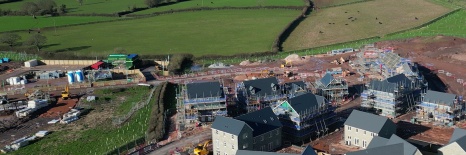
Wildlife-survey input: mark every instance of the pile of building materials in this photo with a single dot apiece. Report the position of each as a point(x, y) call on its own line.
point(341, 51)
point(49, 75)
point(32, 106)
point(17, 80)
point(31, 63)
point(219, 65)
point(70, 116)
point(15, 145)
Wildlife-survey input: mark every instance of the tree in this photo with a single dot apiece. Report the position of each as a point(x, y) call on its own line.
point(180, 62)
point(37, 40)
point(80, 2)
point(153, 3)
point(30, 8)
point(47, 6)
point(62, 9)
point(10, 38)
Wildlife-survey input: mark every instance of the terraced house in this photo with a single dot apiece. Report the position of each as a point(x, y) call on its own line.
point(304, 116)
point(259, 93)
point(361, 128)
point(391, 97)
point(258, 131)
point(456, 145)
point(440, 107)
point(392, 146)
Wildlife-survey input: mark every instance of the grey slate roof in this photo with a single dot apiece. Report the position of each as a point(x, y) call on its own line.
point(261, 121)
point(248, 152)
point(309, 151)
point(382, 146)
point(457, 134)
point(204, 90)
point(228, 125)
point(327, 79)
point(305, 102)
point(383, 150)
point(377, 142)
point(261, 86)
point(400, 79)
point(368, 122)
point(383, 86)
point(439, 97)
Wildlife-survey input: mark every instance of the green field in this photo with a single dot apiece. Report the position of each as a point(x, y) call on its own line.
point(224, 32)
point(98, 139)
point(394, 15)
point(222, 3)
point(27, 22)
point(94, 6)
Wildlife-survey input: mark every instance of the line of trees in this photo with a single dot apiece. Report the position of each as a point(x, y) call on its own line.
point(12, 39)
point(42, 7)
point(156, 3)
point(156, 123)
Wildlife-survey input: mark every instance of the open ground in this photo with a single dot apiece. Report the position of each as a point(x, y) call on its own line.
point(361, 20)
point(223, 32)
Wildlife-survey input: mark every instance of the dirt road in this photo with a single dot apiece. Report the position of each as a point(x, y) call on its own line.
point(207, 134)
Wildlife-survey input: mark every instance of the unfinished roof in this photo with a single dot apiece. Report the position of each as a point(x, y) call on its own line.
point(439, 97)
point(369, 122)
point(228, 125)
point(305, 103)
point(309, 151)
point(295, 86)
point(261, 121)
point(248, 152)
point(327, 79)
point(204, 90)
point(262, 87)
point(391, 60)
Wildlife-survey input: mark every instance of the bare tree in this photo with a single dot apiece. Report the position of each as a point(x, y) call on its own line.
point(30, 8)
point(10, 38)
point(37, 40)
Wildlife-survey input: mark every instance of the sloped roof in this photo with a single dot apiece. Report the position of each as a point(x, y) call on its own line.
point(377, 142)
point(383, 146)
point(261, 86)
point(204, 89)
point(261, 121)
point(228, 125)
point(383, 150)
point(408, 149)
point(367, 121)
point(391, 60)
point(457, 134)
point(439, 97)
point(327, 79)
point(305, 102)
point(295, 86)
point(248, 152)
point(400, 79)
point(384, 86)
point(309, 151)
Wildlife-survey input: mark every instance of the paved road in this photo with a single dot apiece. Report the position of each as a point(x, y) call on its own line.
point(207, 134)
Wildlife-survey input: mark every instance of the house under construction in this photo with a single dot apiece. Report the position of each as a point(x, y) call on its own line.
point(259, 93)
point(201, 101)
point(305, 116)
point(393, 96)
point(334, 89)
point(440, 107)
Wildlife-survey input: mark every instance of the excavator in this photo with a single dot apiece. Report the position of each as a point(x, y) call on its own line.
point(66, 93)
point(286, 64)
point(202, 149)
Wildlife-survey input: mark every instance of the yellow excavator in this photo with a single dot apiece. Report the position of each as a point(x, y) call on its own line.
point(202, 149)
point(66, 93)
point(287, 63)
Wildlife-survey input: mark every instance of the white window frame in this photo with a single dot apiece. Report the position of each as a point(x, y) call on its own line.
point(232, 136)
point(233, 147)
point(349, 128)
point(364, 132)
point(224, 143)
point(216, 131)
point(356, 141)
point(357, 130)
point(364, 144)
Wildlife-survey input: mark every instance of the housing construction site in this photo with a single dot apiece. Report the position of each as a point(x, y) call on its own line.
point(417, 83)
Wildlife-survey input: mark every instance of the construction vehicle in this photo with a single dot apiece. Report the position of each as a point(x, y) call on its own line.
point(202, 149)
point(66, 93)
point(37, 94)
point(288, 74)
point(286, 64)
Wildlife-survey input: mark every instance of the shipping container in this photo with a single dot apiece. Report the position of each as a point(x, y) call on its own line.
point(31, 63)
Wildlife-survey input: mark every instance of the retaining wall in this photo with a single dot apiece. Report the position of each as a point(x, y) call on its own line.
point(68, 62)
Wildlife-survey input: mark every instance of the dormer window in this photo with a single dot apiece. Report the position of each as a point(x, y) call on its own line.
point(265, 121)
point(274, 87)
point(252, 90)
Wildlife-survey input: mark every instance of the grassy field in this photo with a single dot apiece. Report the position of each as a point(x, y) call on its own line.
point(27, 22)
point(224, 32)
point(374, 18)
point(136, 93)
point(81, 137)
point(94, 6)
point(326, 3)
point(222, 3)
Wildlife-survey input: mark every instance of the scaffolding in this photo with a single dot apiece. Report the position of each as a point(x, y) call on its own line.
point(447, 112)
point(335, 90)
point(254, 102)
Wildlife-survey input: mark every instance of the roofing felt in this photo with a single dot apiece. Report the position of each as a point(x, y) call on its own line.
point(261, 121)
point(248, 152)
point(383, 150)
point(367, 121)
point(439, 97)
point(400, 79)
point(228, 125)
point(262, 87)
point(204, 90)
point(408, 149)
point(295, 86)
point(327, 79)
point(304, 103)
point(309, 151)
